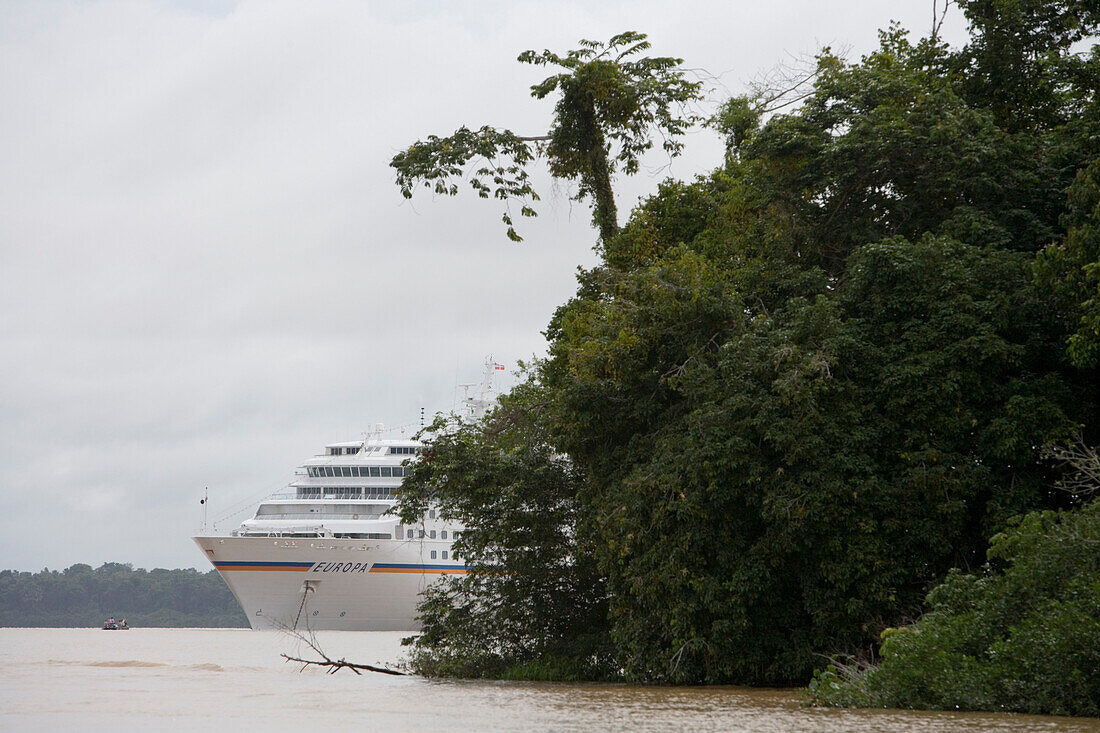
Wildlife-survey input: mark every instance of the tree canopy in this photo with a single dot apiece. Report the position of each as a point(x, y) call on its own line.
point(610, 106)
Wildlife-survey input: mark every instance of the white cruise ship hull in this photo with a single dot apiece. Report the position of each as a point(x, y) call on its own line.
point(327, 583)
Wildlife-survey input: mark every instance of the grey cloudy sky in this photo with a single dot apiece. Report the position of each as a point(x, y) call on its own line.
point(206, 272)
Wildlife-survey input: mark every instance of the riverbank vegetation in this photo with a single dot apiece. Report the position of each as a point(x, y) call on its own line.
point(81, 597)
point(1021, 634)
point(800, 392)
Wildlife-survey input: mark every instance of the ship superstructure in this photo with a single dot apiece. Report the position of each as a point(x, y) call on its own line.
point(326, 553)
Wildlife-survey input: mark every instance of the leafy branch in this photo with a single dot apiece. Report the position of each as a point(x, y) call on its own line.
point(608, 114)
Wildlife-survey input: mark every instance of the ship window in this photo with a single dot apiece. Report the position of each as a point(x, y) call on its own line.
point(422, 534)
point(374, 471)
point(431, 514)
point(398, 471)
point(433, 554)
point(347, 471)
point(432, 534)
point(444, 554)
point(387, 471)
point(443, 535)
point(328, 471)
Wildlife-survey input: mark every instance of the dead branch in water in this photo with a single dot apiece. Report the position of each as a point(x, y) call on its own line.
point(325, 661)
point(337, 664)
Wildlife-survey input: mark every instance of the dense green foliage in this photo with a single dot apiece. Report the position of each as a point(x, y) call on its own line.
point(532, 605)
point(80, 596)
point(1022, 635)
point(799, 391)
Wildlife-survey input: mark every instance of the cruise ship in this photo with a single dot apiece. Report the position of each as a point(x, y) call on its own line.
point(327, 554)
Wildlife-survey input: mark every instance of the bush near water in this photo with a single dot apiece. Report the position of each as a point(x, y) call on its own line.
point(798, 392)
point(81, 597)
point(1022, 635)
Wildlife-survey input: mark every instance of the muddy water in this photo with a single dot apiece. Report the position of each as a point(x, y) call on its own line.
point(186, 679)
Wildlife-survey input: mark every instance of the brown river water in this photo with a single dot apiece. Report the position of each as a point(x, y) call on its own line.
point(230, 679)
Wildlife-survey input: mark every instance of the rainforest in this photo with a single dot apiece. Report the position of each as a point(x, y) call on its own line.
point(801, 393)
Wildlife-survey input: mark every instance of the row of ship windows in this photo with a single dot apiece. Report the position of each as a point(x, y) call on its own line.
point(429, 535)
point(344, 492)
point(444, 555)
point(355, 471)
point(399, 450)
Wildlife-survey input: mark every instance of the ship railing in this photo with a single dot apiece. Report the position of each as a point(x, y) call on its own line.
point(325, 517)
point(381, 494)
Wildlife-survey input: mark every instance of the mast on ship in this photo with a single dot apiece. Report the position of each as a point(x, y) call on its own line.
point(475, 407)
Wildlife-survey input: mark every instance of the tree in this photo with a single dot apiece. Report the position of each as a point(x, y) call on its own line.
point(1069, 269)
point(1020, 62)
point(802, 389)
point(531, 604)
point(805, 388)
point(1022, 634)
point(609, 109)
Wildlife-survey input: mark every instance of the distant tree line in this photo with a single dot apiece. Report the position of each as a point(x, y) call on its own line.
point(80, 596)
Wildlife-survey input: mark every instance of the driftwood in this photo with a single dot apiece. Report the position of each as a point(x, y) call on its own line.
point(336, 664)
point(333, 665)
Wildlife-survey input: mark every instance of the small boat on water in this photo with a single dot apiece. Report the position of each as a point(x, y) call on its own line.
point(112, 624)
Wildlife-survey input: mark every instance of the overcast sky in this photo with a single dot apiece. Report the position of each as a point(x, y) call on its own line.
point(207, 273)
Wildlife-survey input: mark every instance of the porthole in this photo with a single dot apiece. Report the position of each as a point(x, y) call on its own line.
point(315, 613)
point(343, 613)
